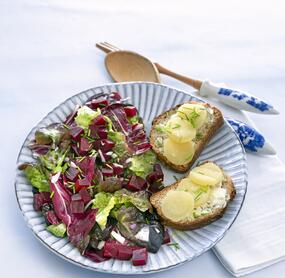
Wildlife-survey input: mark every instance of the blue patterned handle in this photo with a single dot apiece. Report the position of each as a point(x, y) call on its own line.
point(236, 99)
point(251, 139)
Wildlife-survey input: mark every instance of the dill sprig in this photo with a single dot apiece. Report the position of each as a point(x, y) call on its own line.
point(175, 245)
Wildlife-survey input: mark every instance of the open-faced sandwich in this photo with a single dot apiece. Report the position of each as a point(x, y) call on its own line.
point(179, 135)
point(196, 200)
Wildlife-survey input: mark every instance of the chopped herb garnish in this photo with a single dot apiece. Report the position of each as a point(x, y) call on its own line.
point(175, 178)
point(188, 158)
point(200, 191)
point(78, 168)
point(195, 214)
point(184, 114)
point(199, 136)
point(159, 142)
point(176, 126)
point(81, 158)
point(189, 108)
point(175, 233)
point(93, 153)
point(66, 126)
point(204, 188)
point(71, 185)
point(197, 197)
point(163, 129)
point(109, 123)
point(159, 129)
point(70, 182)
point(175, 245)
point(191, 118)
point(90, 139)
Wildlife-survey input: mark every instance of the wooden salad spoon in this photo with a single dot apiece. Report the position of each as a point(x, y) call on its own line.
point(125, 65)
point(129, 66)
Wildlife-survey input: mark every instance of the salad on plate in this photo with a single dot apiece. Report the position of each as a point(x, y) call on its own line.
point(92, 180)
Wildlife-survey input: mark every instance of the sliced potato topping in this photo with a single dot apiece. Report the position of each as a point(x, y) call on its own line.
point(180, 130)
point(178, 153)
point(185, 185)
point(206, 174)
point(196, 194)
point(201, 193)
point(177, 205)
point(194, 113)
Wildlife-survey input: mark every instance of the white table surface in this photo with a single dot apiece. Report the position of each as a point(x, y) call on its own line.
point(47, 54)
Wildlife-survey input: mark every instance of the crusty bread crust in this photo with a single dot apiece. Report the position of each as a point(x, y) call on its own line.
point(211, 130)
point(202, 221)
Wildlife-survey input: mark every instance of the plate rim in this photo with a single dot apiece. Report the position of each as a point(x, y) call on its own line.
point(142, 271)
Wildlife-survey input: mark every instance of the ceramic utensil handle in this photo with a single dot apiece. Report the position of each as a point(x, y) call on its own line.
point(251, 139)
point(236, 99)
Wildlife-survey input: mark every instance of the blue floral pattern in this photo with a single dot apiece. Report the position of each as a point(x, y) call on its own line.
point(251, 139)
point(254, 102)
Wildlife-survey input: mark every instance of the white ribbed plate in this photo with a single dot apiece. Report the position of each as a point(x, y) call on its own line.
point(150, 99)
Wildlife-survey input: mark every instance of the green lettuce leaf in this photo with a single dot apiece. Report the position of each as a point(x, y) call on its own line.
point(105, 202)
point(53, 160)
point(121, 147)
point(85, 115)
point(101, 200)
point(37, 177)
point(117, 137)
point(134, 120)
point(102, 215)
point(57, 230)
point(109, 123)
point(142, 165)
point(139, 199)
point(52, 133)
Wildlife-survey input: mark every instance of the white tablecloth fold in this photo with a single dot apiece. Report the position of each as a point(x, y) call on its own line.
point(257, 238)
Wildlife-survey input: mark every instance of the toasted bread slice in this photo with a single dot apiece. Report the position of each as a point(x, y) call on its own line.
point(195, 222)
point(206, 131)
